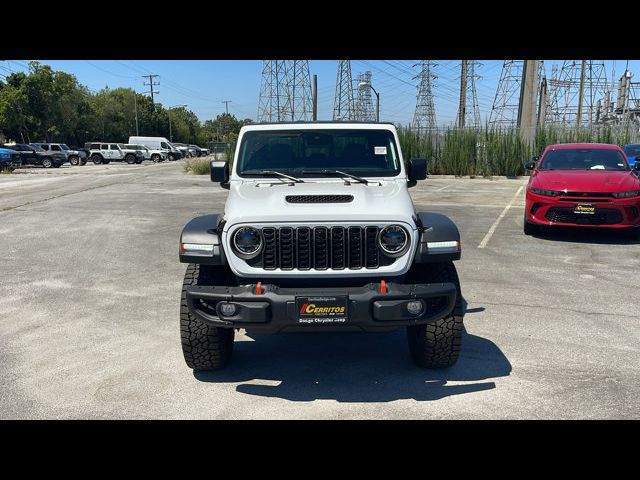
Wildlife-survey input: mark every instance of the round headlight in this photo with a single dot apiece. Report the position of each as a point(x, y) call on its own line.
point(393, 240)
point(247, 242)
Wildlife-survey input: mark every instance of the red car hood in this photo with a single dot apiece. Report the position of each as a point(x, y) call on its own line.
point(585, 180)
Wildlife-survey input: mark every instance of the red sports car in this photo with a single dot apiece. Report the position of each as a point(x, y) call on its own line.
point(583, 185)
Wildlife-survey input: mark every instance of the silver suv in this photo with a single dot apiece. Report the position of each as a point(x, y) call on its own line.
point(104, 153)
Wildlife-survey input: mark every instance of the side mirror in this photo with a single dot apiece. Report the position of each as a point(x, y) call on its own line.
point(219, 172)
point(417, 169)
point(530, 165)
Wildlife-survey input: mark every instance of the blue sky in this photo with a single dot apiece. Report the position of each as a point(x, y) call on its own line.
point(204, 84)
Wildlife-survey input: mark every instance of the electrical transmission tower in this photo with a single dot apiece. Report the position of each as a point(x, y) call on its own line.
point(576, 91)
point(468, 109)
point(343, 104)
point(299, 90)
point(151, 84)
point(504, 111)
point(364, 101)
point(424, 118)
point(285, 91)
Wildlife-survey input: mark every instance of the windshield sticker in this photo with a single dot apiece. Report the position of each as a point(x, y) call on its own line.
point(380, 150)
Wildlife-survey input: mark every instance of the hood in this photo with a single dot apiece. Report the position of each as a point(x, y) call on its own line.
point(585, 180)
point(266, 201)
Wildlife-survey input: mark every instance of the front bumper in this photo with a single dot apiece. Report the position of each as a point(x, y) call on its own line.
point(275, 309)
point(610, 212)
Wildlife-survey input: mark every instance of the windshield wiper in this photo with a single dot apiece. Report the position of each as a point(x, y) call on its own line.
point(273, 173)
point(337, 172)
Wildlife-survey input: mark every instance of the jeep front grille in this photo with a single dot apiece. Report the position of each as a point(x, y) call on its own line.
point(319, 248)
point(319, 198)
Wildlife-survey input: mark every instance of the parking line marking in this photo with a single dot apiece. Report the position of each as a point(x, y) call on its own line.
point(489, 234)
point(441, 189)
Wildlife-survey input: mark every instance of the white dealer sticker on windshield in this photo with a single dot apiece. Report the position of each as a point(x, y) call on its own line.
point(380, 150)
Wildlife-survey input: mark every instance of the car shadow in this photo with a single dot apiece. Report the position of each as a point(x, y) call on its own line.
point(585, 235)
point(354, 367)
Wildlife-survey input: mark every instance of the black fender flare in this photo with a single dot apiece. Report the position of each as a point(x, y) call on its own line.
point(434, 229)
point(204, 230)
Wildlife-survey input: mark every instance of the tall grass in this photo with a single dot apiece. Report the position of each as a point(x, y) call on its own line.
point(489, 151)
point(197, 166)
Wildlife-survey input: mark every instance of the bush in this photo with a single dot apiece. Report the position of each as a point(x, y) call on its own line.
point(197, 166)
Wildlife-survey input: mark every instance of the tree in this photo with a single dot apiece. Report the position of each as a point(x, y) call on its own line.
point(222, 127)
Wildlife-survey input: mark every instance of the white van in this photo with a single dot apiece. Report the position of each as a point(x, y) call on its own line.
point(158, 143)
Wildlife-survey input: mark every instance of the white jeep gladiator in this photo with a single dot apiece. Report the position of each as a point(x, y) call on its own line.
point(319, 234)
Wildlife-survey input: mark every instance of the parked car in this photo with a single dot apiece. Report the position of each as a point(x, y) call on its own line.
point(35, 155)
point(158, 143)
point(335, 245)
point(197, 151)
point(155, 156)
point(73, 156)
point(104, 153)
point(9, 160)
point(583, 185)
point(632, 151)
point(184, 149)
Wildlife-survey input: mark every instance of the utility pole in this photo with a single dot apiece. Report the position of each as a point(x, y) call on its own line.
point(151, 84)
point(226, 105)
point(463, 94)
point(581, 93)
point(315, 97)
point(542, 102)
point(135, 105)
point(528, 97)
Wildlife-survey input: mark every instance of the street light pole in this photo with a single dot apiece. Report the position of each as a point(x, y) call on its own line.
point(366, 84)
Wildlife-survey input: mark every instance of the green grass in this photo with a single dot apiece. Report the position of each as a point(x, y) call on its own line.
point(197, 166)
point(486, 152)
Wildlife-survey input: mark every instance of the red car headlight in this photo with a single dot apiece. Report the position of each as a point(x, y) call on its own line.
point(546, 193)
point(631, 193)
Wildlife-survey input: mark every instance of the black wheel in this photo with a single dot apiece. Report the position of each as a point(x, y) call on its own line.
point(530, 228)
point(130, 159)
point(172, 157)
point(96, 159)
point(83, 162)
point(155, 158)
point(73, 160)
point(437, 344)
point(57, 165)
point(106, 161)
point(204, 346)
point(139, 161)
point(47, 162)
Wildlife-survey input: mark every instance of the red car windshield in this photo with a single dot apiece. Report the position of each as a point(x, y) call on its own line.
point(584, 159)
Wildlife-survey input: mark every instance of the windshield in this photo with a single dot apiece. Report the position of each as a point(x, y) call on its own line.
point(584, 159)
point(366, 153)
point(64, 146)
point(632, 150)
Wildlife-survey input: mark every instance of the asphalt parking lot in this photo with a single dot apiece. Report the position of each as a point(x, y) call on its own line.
point(90, 284)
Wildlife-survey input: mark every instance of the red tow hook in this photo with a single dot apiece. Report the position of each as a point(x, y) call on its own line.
point(383, 286)
point(259, 288)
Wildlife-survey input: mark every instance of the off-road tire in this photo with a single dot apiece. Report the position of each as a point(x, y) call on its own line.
point(96, 159)
point(437, 344)
point(130, 159)
point(74, 160)
point(204, 346)
point(530, 228)
point(47, 163)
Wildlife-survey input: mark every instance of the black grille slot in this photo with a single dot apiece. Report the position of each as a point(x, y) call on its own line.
point(319, 198)
point(355, 247)
point(371, 247)
point(602, 216)
point(320, 248)
point(304, 248)
point(287, 260)
point(338, 260)
point(270, 249)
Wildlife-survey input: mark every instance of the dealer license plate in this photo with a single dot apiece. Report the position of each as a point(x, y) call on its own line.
point(584, 209)
point(321, 310)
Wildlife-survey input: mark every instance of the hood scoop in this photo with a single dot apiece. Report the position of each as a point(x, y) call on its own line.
point(319, 198)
